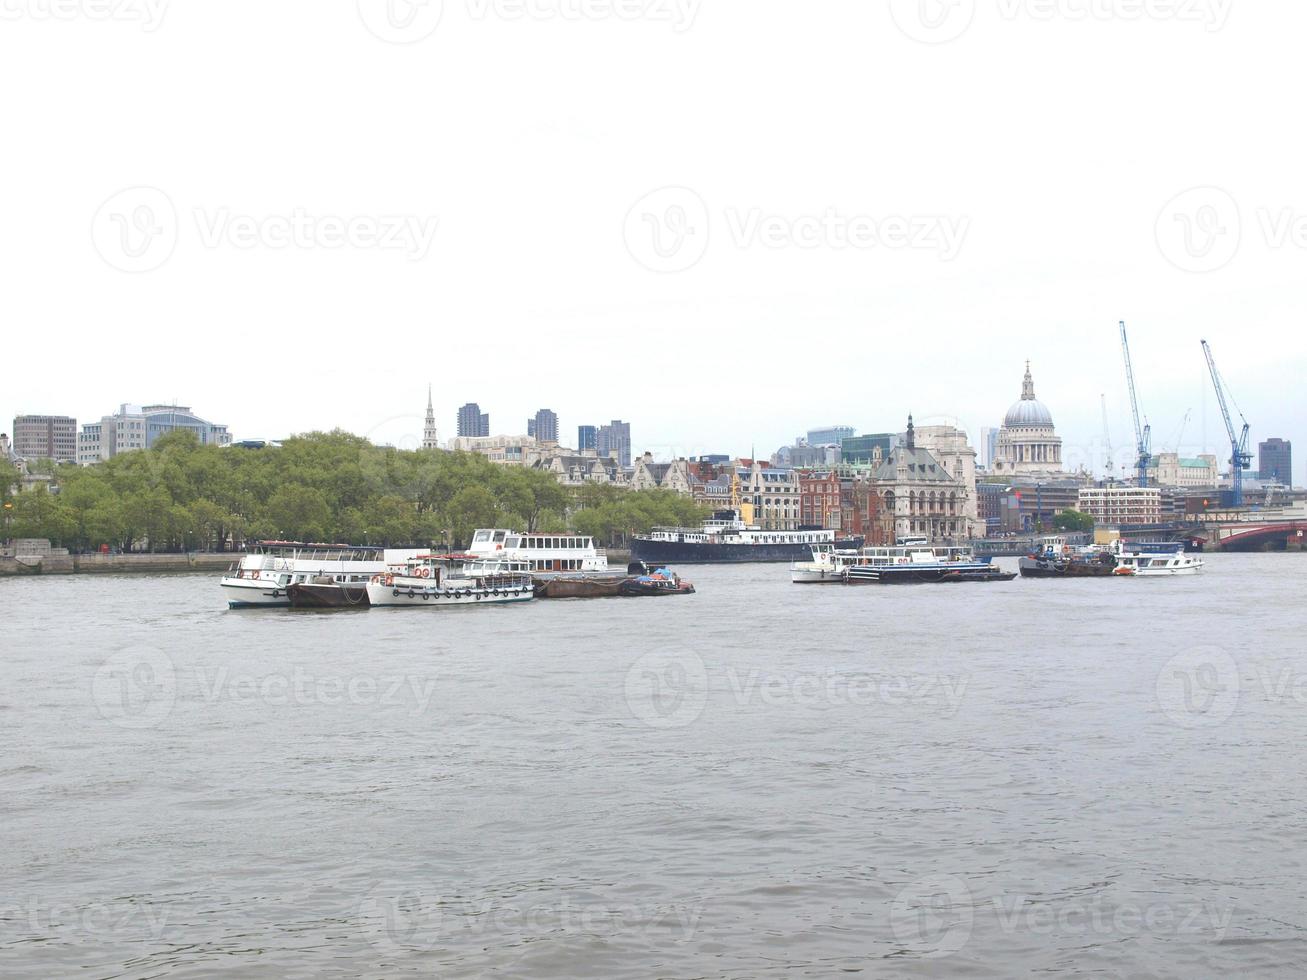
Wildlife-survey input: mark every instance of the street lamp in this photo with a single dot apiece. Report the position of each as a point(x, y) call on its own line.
point(9, 510)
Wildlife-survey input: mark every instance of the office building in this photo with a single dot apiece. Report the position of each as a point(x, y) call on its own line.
point(45, 437)
point(472, 422)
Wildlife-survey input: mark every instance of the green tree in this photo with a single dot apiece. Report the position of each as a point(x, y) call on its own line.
point(1073, 520)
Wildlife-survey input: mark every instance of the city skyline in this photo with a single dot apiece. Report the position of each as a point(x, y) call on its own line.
point(408, 429)
point(540, 265)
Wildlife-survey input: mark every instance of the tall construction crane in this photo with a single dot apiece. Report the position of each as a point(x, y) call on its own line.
point(1144, 432)
point(1240, 458)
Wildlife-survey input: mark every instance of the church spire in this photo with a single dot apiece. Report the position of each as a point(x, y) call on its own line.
point(1028, 386)
point(430, 438)
point(912, 433)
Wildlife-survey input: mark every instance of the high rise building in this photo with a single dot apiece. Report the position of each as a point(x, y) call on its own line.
point(614, 439)
point(988, 447)
point(472, 422)
point(585, 438)
point(833, 435)
point(1274, 461)
point(544, 427)
point(46, 437)
point(430, 438)
point(139, 428)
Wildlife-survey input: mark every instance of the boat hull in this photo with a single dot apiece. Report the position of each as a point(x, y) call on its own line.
point(578, 588)
point(710, 553)
point(914, 574)
point(634, 587)
point(429, 596)
point(814, 575)
point(309, 596)
point(244, 593)
point(1042, 568)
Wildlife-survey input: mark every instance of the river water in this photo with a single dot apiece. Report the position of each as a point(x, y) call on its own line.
point(760, 780)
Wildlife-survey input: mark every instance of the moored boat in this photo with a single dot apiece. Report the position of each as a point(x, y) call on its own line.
point(433, 581)
point(323, 593)
point(1154, 559)
point(660, 581)
point(913, 560)
point(1057, 559)
point(262, 576)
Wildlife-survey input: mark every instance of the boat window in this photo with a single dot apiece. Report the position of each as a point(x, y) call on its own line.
point(499, 537)
point(481, 537)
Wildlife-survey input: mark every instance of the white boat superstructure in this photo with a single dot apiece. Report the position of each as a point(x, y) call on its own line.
point(433, 581)
point(543, 553)
point(826, 565)
point(261, 576)
point(1154, 559)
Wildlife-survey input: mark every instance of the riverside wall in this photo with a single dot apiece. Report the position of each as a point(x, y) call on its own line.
point(92, 564)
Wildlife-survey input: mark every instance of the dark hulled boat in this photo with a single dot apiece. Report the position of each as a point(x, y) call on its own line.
point(327, 594)
point(1057, 560)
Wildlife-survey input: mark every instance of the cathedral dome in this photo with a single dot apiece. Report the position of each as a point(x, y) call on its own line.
point(1029, 410)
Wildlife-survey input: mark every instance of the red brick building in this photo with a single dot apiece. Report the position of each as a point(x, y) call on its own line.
point(819, 500)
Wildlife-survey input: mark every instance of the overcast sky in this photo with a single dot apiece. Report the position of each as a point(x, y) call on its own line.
point(725, 222)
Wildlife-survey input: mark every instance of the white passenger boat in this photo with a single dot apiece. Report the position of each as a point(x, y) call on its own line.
point(545, 555)
point(1154, 559)
point(263, 573)
point(433, 581)
point(914, 560)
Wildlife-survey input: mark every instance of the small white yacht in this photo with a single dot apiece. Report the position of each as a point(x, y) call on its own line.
point(1154, 558)
point(825, 565)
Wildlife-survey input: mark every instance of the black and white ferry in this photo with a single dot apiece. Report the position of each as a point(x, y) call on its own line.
point(725, 537)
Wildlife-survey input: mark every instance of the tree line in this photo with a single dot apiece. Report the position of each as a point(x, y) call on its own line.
point(332, 486)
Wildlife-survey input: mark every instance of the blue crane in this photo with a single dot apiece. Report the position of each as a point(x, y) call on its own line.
point(1240, 458)
point(1144, 432)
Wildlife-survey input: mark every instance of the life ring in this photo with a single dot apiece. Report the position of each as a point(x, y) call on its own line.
point(390, 580)
point(256, 574)
point(376, 579)
point(424, 573)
